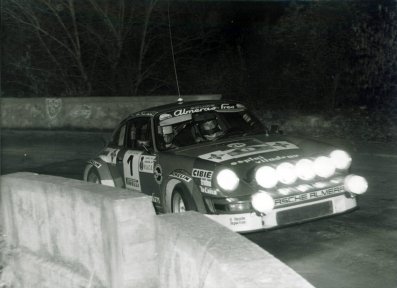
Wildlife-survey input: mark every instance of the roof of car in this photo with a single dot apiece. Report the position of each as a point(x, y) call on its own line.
point(152, 111)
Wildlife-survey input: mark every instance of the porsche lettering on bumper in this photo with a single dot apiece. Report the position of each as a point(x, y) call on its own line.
point(309, 195)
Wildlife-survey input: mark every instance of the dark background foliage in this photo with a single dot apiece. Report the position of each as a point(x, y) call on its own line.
point(284, 55)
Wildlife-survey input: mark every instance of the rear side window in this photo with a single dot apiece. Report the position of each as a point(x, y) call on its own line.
point(140, 133)
point(119, 136)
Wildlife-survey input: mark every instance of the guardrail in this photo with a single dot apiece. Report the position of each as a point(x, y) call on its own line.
point(68, 233)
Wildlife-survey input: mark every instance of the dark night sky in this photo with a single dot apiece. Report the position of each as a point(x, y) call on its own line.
point(266, 50)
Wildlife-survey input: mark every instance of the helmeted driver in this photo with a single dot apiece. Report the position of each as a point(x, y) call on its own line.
point(210, 129)
point(168, 136)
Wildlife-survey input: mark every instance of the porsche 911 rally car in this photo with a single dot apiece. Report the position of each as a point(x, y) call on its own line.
point(215, 157)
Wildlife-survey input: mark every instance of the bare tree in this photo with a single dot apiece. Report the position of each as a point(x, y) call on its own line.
point(314, 40)
point(375, 45)
point(76, 42)
point(65, 36)
point(108, 47)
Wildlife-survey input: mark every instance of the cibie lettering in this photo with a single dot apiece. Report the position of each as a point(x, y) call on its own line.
point(184, 111)
point(199, 173)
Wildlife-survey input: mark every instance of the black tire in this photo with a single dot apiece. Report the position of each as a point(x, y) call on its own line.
point(93, 176)
point(181, 202)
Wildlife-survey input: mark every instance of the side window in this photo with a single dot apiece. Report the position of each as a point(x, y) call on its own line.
point(140, 134)
point(119, 136)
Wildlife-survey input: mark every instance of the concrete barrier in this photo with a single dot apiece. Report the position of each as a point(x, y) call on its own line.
point(78, 112)
point(194, 251)
point(67, 233)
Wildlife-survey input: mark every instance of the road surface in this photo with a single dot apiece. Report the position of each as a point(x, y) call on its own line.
point(358, 249)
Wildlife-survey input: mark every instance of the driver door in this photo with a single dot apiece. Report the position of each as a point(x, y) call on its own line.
point(137, 160)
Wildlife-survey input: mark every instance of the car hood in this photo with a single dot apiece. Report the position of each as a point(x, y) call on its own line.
point(248, 151)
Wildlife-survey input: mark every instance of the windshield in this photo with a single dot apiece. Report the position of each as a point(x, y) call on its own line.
point(188, 126)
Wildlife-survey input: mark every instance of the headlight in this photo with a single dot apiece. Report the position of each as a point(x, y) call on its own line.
point(305, 169)
point(262, 202)
point(356, 184)
point(341, 159)
point(227, 179)
point(324, 167)
point(286, 173)
point(266, 177)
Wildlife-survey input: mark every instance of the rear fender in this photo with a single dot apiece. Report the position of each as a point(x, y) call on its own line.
point(103, 171)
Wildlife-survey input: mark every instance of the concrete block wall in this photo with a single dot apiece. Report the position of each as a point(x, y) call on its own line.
point(78, 112)
point(69, 231)
point(72, 234)
point(30, 270)
point(195, 252)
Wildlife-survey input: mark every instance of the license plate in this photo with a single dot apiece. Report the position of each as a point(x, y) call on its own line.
point(304, 213)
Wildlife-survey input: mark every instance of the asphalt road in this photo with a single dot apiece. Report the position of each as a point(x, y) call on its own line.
point(358, 249)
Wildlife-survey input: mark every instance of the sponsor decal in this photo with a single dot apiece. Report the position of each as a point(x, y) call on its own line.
point(146, 163)
point(205, 182)
point(205, 108)
point(208, 190)
point(261, 159)
point(158, 174)
point(239, 220)
point(204, 174)
point(224, 155)
point(236, 145)
point(132, 183)
point(146, 113)
point(227, 106)
point(181, 176)
point(130, 167)
point(309, 195)
point(109, 155)
point(156, 199)
point(95, 163)
point(192, 110)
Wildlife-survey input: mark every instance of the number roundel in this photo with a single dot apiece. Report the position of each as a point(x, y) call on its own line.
point(158, 173)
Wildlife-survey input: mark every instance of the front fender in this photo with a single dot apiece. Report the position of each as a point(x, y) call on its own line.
point(184, 179)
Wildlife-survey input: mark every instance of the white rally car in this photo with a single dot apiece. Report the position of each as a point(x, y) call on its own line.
point(216, 158)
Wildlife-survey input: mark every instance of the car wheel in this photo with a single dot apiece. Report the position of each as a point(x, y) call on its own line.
point(180, 202)
point(93, 176)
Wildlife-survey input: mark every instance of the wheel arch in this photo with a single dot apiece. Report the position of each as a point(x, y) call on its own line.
point(169, 189)
point(103, 171)
point(188, 187)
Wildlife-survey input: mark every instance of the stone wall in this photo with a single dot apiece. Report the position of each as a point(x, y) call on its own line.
point(78, 112)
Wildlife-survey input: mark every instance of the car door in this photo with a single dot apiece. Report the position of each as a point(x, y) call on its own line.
point(138, 160)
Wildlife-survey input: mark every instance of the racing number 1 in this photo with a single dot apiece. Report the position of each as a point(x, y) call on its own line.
point(130, 161)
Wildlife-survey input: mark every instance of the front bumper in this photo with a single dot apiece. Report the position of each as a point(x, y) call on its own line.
point(248, 222)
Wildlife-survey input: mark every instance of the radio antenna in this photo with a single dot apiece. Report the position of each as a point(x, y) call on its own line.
point(173, 55)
